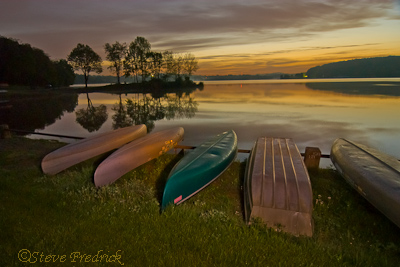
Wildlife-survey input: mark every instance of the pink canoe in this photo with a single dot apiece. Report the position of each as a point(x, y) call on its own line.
point(136, 153)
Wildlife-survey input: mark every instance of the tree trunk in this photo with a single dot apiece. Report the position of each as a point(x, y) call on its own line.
point(86, 79)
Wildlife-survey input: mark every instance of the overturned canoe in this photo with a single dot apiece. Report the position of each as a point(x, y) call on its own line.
point(136, 153)
point(277, 187)
point(373, 174)
point(90, 147)
point(199, 168)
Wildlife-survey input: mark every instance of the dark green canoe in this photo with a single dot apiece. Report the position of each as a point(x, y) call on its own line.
point(375, 175)
point(199, 168)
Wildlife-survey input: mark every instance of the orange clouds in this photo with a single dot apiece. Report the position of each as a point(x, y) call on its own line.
point(228, 36)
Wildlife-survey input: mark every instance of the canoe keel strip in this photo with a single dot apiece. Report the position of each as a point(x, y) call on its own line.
point(199, 168)
point(375, 175)
point(90, 147)
point(277, 187)
point(136, 153)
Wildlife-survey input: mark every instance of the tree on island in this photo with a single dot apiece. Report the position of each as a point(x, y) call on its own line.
point(169, 65)
point(83, 58)
point(190, 64)
point(135, 62)
point(116, 54)
point(155, 63)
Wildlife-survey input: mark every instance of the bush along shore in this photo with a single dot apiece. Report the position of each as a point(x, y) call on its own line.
point(66, 219)
point(154, 85)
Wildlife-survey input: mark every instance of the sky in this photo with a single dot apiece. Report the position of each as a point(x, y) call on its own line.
point(226, 36)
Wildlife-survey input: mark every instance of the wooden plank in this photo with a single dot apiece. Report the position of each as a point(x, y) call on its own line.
point(277, 187)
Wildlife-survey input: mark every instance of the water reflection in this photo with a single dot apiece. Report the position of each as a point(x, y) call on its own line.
point(92, 118)
point(359, 88)
point(312, 114)
point(31, 112)
point(143, 109)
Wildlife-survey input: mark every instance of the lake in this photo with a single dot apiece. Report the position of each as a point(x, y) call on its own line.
point(312, 112)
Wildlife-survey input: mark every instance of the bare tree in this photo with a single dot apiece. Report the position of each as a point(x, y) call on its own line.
point(136, 58)
point(115, 53)
point(190, 64)
point(155, 63)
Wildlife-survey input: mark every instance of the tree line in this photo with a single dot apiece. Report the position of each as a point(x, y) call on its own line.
point(22, 64)
point(135, 60)
point(358, 68)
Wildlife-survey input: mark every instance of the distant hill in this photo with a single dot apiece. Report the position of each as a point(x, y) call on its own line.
point(239, 77)
point(359, 68)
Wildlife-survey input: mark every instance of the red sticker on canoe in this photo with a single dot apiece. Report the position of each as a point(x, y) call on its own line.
point(176, 200)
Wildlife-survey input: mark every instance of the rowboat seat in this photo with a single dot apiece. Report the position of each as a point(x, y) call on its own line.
point(277, 187)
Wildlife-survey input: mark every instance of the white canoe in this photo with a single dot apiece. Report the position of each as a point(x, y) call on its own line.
point(136, 153)
point(372, 173)
point(90, 147)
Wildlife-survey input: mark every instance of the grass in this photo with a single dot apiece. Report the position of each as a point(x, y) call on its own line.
point(64, 217)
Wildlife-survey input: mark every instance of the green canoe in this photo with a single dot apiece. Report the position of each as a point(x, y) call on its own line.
point(199, 168)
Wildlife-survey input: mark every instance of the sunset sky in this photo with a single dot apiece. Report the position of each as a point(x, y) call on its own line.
point(226, 36)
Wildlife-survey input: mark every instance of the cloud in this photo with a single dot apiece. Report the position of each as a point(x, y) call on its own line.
point(186, 26)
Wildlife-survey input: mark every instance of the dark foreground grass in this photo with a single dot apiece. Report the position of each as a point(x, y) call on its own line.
point(65, 220)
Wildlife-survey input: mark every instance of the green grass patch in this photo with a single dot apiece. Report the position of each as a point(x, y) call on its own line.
point(68, 217)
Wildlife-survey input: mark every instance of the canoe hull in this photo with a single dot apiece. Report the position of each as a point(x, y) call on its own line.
point(373, 174)
point(277, 187)
point(90, 147)
point(136, 153)
point(199, 168)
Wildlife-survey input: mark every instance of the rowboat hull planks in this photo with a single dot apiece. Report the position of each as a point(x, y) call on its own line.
point(199, 168)
point(90, 147)
point(373, 174)
point(277, 187)
point(136, 153)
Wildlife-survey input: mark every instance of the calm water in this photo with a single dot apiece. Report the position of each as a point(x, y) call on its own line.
point(313, 114)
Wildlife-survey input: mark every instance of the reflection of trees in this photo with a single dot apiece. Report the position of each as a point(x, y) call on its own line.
point(92, 118)
point(120, 117)
point(31, 112)
point(178, 108)
point(358, 88)
point(143, 109)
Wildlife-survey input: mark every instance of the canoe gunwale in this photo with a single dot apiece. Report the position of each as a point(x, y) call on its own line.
point(248, 196)
point(372, 155)
point(212, 180)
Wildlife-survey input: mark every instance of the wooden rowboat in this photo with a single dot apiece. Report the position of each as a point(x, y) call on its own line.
point(90, 147)
point(136, 153)
point(373, 174)
point(199, 168)
point(277, 187)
